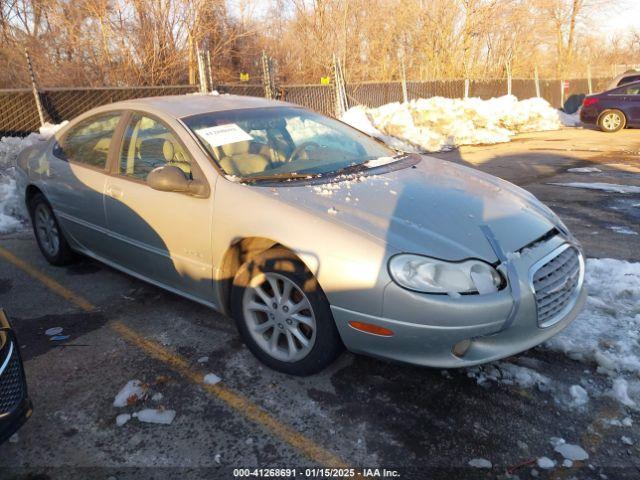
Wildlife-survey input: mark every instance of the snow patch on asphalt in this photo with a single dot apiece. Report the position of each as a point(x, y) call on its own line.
point(131, 392)
point(122, 419)
point(438, 124)
point(622, 230)
point(480, 463)
point(584, 170)
point(606, 335)
point(545, 463)
point(211, 379)
point(571, 452)
point(605, 187)
point(155, 415)
point(607, 331)
point(509, 374)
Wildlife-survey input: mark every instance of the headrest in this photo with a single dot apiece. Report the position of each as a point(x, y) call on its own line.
point(158, 149)
point(236, 148)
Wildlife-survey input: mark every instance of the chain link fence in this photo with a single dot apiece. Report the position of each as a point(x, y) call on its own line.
point(19, 115)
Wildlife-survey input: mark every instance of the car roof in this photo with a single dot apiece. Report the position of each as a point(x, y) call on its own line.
point(180, 106)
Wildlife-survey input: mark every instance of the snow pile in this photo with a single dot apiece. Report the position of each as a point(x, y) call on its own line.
point(437, 123)
point(569, 119)
point(12, 211)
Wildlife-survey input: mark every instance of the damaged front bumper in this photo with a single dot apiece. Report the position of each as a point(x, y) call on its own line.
point(427, 329)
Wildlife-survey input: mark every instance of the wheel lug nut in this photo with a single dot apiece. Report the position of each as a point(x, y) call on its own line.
point(289, 321)
point(285, 309)
point(275, 306)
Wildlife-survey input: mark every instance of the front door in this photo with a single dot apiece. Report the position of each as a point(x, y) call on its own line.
point(162, 236)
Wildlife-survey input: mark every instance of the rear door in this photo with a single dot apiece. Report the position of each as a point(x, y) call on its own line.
point(76, 179)
point(162, 236)
point(633, 100)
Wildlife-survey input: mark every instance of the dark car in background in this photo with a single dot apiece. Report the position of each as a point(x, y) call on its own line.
point(629, 76)
point(15, 406)
point(614, 109)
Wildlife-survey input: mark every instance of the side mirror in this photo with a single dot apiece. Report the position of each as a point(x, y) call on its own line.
point(168, 179)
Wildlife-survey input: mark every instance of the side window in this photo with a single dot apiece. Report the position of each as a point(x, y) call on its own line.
point(633, 89)
point(88, 142)
point(148, 144)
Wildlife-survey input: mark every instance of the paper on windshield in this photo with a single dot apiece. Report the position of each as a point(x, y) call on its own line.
point(223, 134)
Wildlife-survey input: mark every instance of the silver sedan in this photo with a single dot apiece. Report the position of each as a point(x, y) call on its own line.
point(312, 235)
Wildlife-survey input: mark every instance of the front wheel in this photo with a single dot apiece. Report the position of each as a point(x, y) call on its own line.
point(283, 315)
point(49, 237)
point(611, 121)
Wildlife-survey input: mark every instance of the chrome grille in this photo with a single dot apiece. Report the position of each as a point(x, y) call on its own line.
point(555, 283)
point(12, 387)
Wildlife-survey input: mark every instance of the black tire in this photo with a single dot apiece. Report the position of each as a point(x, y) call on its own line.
point(60, 256)
point(327, 346)
point(604, 122)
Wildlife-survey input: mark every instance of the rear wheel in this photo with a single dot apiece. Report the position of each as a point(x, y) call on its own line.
point(611, 121)
point(49, 237)
point(283, 315)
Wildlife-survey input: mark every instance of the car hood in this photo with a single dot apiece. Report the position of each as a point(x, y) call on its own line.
point(434, 208)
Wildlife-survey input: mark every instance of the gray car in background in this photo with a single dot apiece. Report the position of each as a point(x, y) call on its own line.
point(312, 235)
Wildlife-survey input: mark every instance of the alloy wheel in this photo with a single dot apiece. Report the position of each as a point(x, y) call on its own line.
point(46, 229)
point(279, 317)
point(611, 121)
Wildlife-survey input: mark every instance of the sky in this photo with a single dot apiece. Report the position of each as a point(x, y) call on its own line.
point(627, 16)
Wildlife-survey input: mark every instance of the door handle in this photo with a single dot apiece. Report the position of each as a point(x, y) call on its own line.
point(114, 192)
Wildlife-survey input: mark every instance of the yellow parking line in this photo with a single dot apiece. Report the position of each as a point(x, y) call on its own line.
point(48, 282)
point(233, 399)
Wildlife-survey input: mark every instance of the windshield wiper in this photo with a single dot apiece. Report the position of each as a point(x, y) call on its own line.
point(281, 177)
point(358, 167)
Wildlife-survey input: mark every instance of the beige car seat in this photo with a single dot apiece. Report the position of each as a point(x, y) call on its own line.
point(238, 160)
point(159, 150)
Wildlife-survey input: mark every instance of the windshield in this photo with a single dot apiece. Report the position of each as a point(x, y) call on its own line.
point(284, 142)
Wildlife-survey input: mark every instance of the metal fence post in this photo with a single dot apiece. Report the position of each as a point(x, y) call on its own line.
point(266, 77)
point(403, 79)
point(466, 87)
point(341, 94)
point(202, 75)
point(209, 71)
point(537, 80)
point(561, 93)
point(589, 79)
point(34, 88)
point(508, 66)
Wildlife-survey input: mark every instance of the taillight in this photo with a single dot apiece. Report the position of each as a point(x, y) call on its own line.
point(589, 101)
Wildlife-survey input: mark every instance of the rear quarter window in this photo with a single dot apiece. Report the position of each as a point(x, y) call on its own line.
point(625, 80)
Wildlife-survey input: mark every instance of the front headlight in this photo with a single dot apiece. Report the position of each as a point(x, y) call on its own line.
point(430, 275)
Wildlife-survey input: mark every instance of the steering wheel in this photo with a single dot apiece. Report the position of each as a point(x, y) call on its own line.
point(300, 148)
